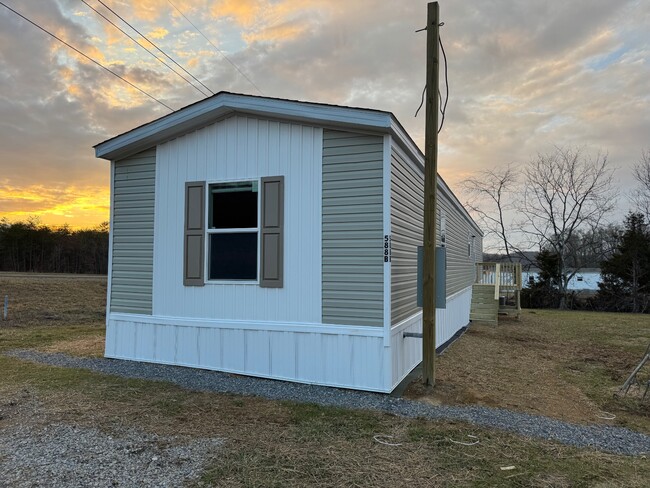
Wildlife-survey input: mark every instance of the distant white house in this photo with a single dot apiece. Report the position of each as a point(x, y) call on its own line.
point(586, 279)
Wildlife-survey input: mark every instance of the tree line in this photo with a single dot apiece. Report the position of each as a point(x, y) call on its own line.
point(31, 246)
point(559, 204)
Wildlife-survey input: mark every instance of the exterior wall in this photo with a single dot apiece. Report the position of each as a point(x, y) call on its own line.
point(461, 271)
point(406, 352)
point(132, 233)
point(240, 148)
point(341, 356)
point(352, 237)
point(407, 220)
point(325, 325)
point(590, 280)
point(243, 328)
point(407, 217)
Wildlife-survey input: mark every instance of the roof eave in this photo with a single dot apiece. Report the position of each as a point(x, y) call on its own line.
point(408, 145)
point(211, 109)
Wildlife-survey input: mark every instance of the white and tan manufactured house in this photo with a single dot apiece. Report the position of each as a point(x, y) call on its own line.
point(277, 238)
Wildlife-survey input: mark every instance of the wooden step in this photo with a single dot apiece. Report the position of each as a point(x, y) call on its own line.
point(484, 307)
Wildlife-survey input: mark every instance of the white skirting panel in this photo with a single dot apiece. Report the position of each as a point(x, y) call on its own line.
point(407, 351)
point(331, 355)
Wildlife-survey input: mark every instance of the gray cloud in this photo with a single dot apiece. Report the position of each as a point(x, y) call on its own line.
point(524, 75)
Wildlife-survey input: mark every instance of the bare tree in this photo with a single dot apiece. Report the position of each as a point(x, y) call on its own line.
point(641, 195)
point(491, 198)
point(566, 191)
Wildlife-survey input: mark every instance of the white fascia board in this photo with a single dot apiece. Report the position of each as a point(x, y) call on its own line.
point(413, 154)
point(207, 111)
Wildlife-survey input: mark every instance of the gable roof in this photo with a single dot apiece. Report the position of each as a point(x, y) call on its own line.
point(211, 109)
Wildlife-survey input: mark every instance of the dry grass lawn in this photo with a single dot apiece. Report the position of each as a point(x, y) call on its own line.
point(270, 443)
point(53, 300)
point(566, 365)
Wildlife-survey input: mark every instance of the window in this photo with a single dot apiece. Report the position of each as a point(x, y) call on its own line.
point(242, 237)
point(580, 278)
point(233, 231)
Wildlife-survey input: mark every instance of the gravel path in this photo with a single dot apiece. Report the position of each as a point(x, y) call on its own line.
point(616, 440)
point(73, 456)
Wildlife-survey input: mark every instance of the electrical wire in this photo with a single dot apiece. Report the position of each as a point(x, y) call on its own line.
point(216, 48)
point(442, 106)
point(144, 47)
point(443, 111)
point(424, 90)
point(154, 45)
point(86, 56)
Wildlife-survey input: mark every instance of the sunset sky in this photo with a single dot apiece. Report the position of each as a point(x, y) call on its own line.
point(523, 75)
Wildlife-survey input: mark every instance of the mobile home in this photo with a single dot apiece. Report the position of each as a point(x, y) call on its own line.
point(277, 238)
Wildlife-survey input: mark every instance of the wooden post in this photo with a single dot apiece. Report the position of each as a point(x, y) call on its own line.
point(430, 197)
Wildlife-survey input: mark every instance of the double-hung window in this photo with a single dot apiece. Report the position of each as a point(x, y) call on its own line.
point(242, 237)
point(233, 231)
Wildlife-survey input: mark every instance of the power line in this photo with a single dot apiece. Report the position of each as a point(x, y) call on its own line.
point(217, 49)
point(143, 47)
point(154, 45)
point(87, 57)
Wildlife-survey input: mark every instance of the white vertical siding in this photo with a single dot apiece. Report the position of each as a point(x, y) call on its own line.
point(242, 147)
point(348, 357)
point(406, 352)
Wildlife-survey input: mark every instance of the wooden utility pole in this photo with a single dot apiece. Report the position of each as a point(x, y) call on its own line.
point(430, 199)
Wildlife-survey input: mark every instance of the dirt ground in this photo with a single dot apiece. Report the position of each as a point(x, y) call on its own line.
point(566, 365)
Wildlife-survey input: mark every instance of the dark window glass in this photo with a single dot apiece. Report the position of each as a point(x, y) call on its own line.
point(233, 205)
point(233, 256)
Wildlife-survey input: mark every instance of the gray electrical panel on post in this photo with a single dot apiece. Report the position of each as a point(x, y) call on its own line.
point(441, 277)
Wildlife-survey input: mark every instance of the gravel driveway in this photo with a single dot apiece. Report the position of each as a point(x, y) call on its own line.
point(72, 456)
point(611, 439)
point(39, 450)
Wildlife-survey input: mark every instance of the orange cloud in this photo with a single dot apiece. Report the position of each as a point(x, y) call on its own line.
point(244, 12)
point(265, 20)
point(158, 33)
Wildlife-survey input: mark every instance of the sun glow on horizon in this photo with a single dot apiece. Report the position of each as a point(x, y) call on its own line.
point(75, 207)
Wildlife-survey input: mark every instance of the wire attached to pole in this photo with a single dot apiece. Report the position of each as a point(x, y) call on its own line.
point(443, 106)
point(443, 110)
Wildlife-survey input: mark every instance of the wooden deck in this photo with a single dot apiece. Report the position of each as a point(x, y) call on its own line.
point(496, 291)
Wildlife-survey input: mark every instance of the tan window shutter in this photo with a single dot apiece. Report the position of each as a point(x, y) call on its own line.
point(194, 234)
point(272, 239)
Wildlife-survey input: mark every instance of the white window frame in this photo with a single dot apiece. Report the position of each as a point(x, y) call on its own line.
point(209, 231)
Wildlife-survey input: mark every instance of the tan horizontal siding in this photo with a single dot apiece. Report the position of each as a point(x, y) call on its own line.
point(407, 216)
point(352, 233)
point(407, 222)
point(132, 231)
